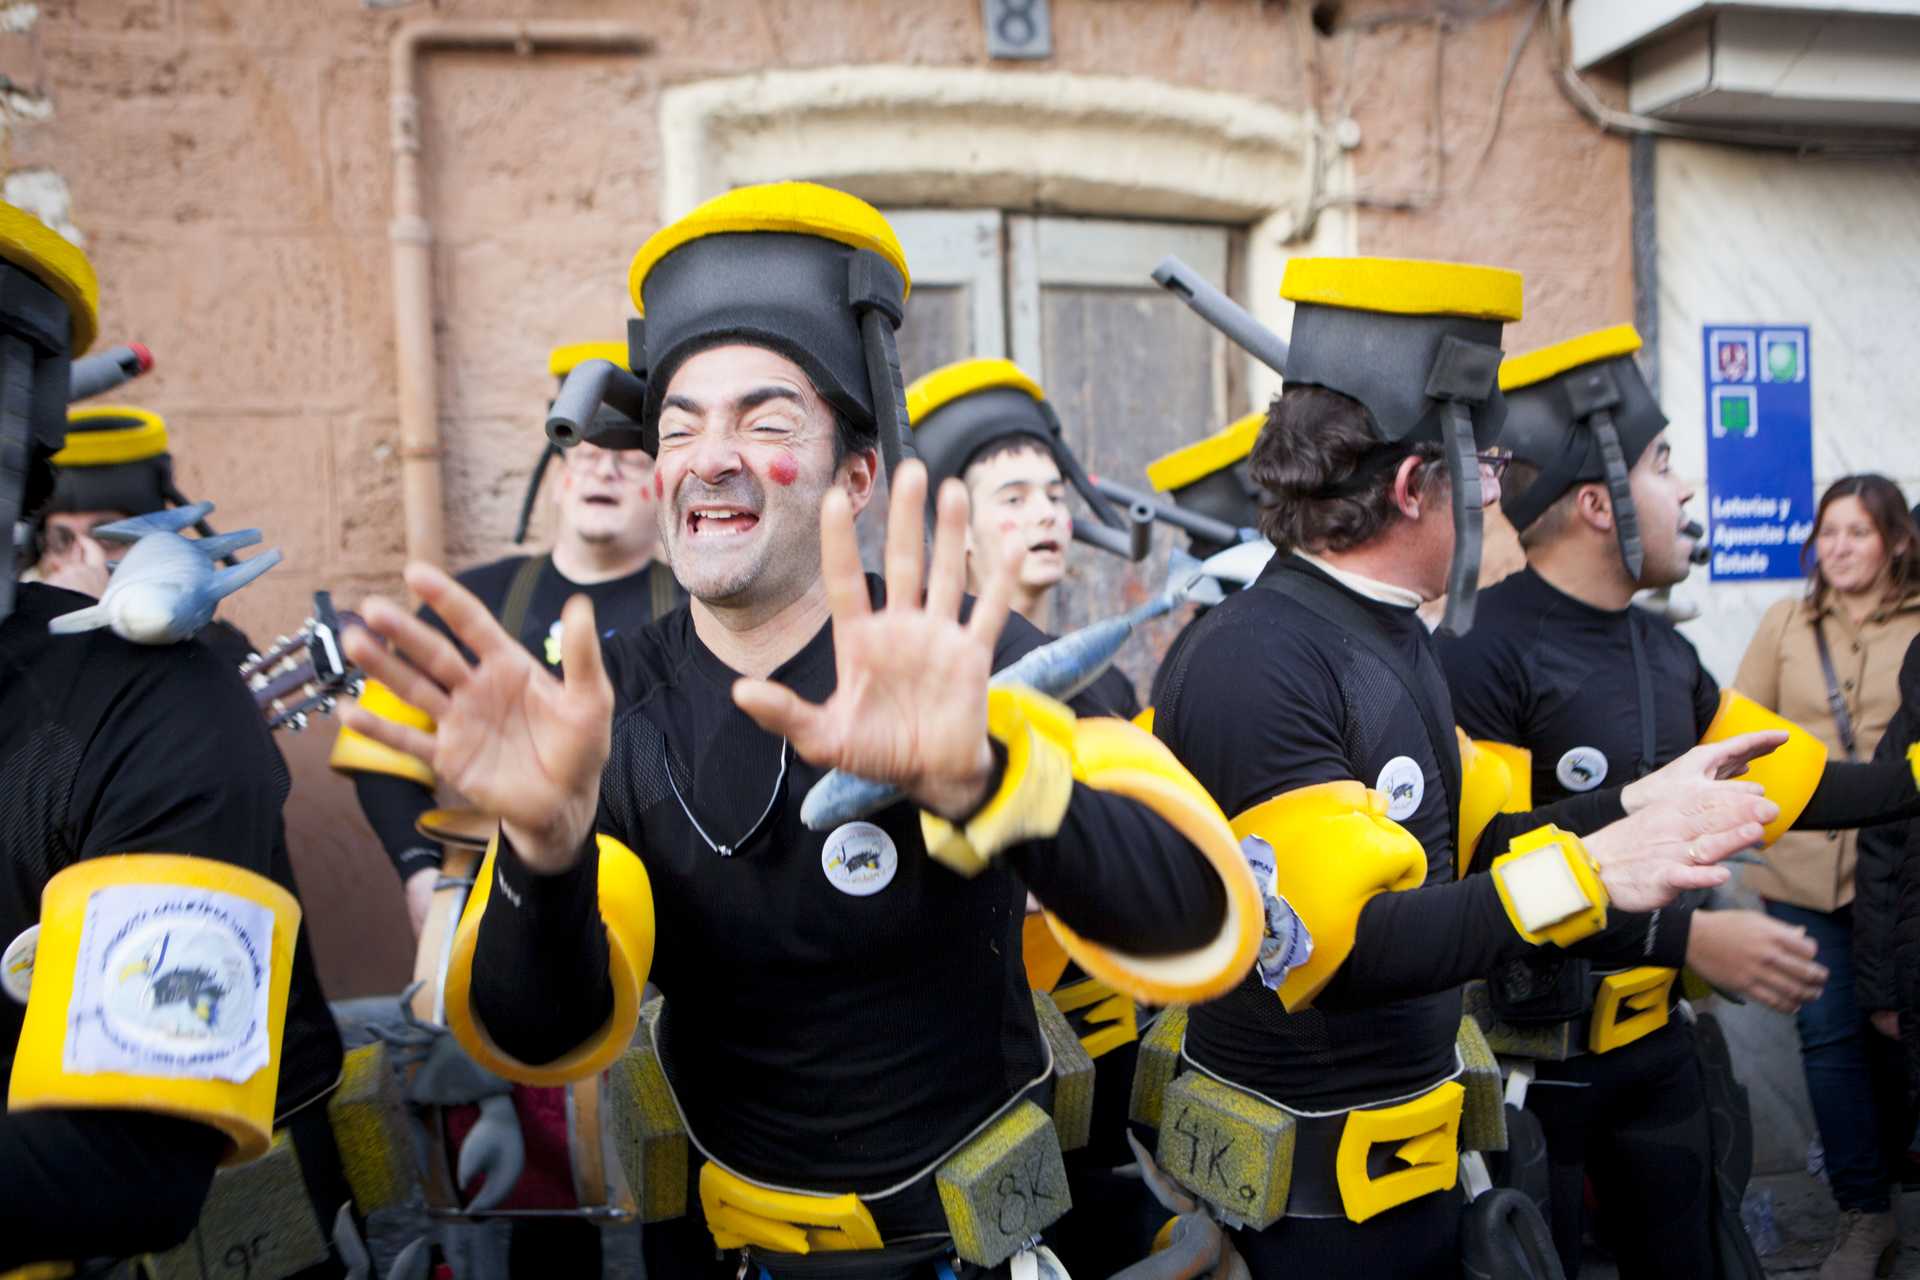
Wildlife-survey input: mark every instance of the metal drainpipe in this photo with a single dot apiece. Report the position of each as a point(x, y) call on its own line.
point(412, 237)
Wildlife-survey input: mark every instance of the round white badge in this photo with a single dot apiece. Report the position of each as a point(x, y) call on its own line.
point(177, 982)
point(1581, 769)
point(16, 966)
point(859, 859)
point(1403, 783)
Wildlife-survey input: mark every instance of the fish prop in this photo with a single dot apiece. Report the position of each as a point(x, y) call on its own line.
point(166, 586)
point(1060, 669)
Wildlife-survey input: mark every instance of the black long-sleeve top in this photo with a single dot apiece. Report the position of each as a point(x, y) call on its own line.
point(814, 1036)
point(1262, 696)
point(108, 747)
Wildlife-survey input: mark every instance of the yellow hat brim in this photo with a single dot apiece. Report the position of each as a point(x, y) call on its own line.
point(145, 438)
point(1549, 362)
point(945, 385)
point(562, 361)
point(1201, 459)
point(1405, 286)
point(31, 245)
point(792, 208)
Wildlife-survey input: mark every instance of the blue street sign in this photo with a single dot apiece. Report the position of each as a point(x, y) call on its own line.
point(1759, 449)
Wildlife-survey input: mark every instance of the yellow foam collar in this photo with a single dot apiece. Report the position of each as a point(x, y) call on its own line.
point(144, 436)
point(31, 245)
point(1548, 362)
point(1197, 461)
point(943, 386)
point(1405, 286)
point(561, 360)
point(795, 208)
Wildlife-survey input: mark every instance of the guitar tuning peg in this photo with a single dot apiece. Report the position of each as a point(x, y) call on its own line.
point(356, 685)
point(298, 721)
point(327, 705)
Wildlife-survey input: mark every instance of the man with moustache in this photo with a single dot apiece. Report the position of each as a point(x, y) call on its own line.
point(845, 1012)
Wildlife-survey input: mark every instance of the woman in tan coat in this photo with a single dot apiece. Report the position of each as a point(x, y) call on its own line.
point(1830, 661)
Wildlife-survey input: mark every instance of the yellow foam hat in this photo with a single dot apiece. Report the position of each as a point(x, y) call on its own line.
point(1201, 459)
point(1548, 362)
point(135, 436)
point(1405, 286)
point(945, 385)
point(31, 245)
point(561, 361)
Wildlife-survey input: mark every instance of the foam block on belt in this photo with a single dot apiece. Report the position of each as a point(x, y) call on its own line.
point(257, 1221)
point(1158, 1063)
point(1551, 1041)
point(1483, 1121)
point(1072, 1075)
point(1005, 1187)
point(370, 1127)
point(1229, 1148)
point(647, 1133)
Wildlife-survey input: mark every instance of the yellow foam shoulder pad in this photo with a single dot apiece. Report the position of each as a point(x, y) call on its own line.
point(138, 436)
point(159, 949)
point(1405, 286)
point(1201, 459)
point(740, 1213)
point(1519, 773)
point(1334, 848)
point(1113, 756)
point(354, 752)
point(561, 361)
point(1550, 887)
point(31, 245)
point(1044, 957)
point(1485, 784)
point(1549, 362)
point(1790, 773)
point(943, 386)
point(1143, 721)
point(626, 909)
point(795, 208)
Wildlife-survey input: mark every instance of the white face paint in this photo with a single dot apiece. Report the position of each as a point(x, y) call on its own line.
point(1404, 785)
point(1581, 768)
point(859, 859)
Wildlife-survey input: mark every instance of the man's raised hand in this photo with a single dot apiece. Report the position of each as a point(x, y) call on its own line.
point(509, 737)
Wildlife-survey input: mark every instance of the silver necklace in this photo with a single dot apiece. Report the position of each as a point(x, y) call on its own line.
point(725, 850)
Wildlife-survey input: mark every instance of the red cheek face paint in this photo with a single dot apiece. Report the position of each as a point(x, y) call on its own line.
point(784, 470)
point(659, 485)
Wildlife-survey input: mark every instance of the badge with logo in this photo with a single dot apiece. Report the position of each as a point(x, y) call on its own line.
point(859, 859)
point(16, 965)
point(171, 981)
point(1285, 944)
point(1581, 769)
point(1403, 784)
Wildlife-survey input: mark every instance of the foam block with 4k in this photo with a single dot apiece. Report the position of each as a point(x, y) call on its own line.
point(369, 1121)
point(1156, 1066)
point(1005, 1187)
point(647, 1133)
point(257, 1221)
point(1229, 1148)
point(1483, 1119)
point(1072, 1075)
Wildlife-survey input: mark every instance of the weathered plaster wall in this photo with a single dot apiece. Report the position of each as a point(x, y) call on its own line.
point(228, 165)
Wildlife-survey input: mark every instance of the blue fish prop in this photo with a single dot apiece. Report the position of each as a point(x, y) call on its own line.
point(166, 587)
point(1059, 669)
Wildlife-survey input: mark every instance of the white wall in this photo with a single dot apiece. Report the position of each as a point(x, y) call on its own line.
point(1749, 235)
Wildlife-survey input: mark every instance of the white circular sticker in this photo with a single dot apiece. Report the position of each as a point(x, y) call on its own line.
point(174, 981)
point(1403, 783)
point(16, 966)
point(1581, 769)
point(859, 858)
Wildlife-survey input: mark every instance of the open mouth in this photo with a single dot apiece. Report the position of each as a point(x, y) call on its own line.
point(602, 500)
point(720, 522)
point(1047, 545)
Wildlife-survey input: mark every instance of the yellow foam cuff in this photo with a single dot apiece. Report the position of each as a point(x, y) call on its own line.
point(740, 1214)
point(1405, 286)
point(1549, 362)
point(1143, 721)
point(1201, 459)
point(943, 386)
point(1550, 887)
point(626, 910)
point(793, 208)
point(1790, 773)
point(1334, 848)
point(562, 361)
point(34, 247)
point(243, 1111)
point(1035, 789)
point(1486, 782)
point(144, 437)
point(1913, 762)
point(354, 752)
point(1044, 958)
